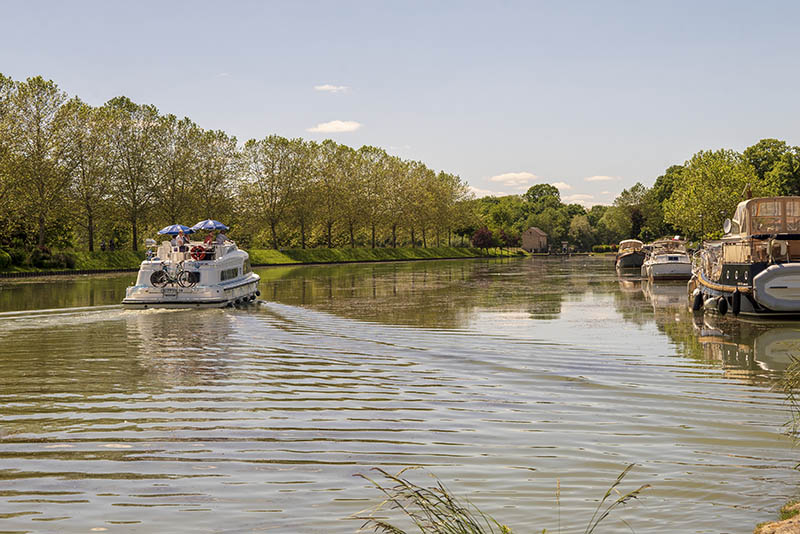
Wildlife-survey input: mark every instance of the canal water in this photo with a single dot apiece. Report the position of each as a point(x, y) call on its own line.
point(505, 379)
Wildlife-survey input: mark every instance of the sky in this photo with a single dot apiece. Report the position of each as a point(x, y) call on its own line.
point(589, 96)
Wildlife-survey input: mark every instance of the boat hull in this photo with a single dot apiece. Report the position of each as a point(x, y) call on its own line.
point(668, 271)
point(218, 296)
point(775, 292)
point(630, 260)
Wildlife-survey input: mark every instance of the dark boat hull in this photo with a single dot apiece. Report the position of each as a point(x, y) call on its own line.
point(630, 260)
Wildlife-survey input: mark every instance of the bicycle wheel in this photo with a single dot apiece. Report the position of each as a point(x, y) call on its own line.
point(159, 279)
point(185, 279)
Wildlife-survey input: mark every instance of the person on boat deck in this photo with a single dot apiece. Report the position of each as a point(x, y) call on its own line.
point(182, 242)
point(221, 238)
point(209, 239)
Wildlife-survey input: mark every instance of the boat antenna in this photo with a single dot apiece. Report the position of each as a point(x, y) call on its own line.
point(747, 193)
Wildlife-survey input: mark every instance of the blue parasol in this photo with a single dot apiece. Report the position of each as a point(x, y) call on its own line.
point(175, 229)
point(209, 224)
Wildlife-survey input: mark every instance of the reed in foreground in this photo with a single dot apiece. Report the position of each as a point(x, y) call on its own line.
point(435, 510)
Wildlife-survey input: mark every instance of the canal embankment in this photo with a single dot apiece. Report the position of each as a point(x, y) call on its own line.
point(101, 262)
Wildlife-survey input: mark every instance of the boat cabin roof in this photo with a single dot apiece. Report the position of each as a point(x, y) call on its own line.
point(631, 243)
point(768, 215)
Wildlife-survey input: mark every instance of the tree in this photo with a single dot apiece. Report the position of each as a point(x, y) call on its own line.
point(34, 134)
point(785, 173)
point(373, 167)
point(272, 168)
point(397, 201)
point(175, 163)
point(580, 232)
point(653, 204)
point(6, 90)
point(483, 238)
point(90, 161)
point(541, 192)
point(631, 202)
point(764, 155)
point(303, 209)
point(133, 131)
point(708, 189)
point(215, 168)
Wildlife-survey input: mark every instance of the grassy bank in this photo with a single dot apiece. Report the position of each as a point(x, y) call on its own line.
point(81, 261)
point(347, 255)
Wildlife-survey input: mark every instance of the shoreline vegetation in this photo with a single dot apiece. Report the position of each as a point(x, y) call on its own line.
point(98, 262)
point(74, 176)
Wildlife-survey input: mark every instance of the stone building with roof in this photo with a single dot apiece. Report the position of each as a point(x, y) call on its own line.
point(534, 240)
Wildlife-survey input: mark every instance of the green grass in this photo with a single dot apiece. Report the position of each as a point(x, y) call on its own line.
point(126, 259)
point(340, 255)
point(117, 259)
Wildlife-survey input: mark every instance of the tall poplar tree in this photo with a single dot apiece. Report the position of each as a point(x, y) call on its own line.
point(36, 142)
point(133, 134)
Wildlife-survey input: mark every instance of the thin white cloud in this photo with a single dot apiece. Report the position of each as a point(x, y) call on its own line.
point(601, 179)
point(485, 192)
point(336, 127)
point(582, 199)
point(605, 192)
point(328, 88)
point(519, 180)
point(561, 186)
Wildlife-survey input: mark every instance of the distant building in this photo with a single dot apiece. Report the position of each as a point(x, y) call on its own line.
point(534, 240)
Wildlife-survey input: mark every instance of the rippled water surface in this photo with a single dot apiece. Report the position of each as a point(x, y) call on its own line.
point(501, 378)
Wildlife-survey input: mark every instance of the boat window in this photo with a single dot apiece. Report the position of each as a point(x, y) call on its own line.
point(227, 274)
point(766, 217)
point(793, 216)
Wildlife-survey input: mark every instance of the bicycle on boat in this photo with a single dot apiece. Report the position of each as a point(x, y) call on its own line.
point(182, 277)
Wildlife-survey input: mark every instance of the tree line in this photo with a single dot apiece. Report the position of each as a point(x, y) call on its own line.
point(73, 175)
point(691, 199)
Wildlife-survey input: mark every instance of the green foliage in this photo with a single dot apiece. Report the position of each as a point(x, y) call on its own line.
point(5, 260)
point(707, 191)
point(545, 194)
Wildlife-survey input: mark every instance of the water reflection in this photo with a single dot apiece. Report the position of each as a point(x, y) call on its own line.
point(758, 348)
point(502, 377)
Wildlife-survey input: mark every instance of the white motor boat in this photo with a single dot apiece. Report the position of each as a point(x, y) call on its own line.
point(667, 260)
point(200, 276)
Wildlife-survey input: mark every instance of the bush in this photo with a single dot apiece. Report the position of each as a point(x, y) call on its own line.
point(5, 259)
point(19, 256)
point(40, 257)
point(63, 260)
point(604, 248)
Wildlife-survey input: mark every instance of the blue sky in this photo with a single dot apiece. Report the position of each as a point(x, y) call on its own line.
point(592, 96)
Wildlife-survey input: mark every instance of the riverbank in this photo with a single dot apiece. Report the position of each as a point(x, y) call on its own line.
point(99, 262)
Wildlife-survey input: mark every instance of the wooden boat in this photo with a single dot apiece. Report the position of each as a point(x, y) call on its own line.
point(667, 259)
point(755, 268)
point(630, 254)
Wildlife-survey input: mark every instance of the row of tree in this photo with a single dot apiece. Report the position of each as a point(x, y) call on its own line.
point(72, 174)
point(692, 200)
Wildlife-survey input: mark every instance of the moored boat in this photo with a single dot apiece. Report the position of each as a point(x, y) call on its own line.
point(630, 254)
point(755, 268)
point(195, 275)
point(667, 259)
